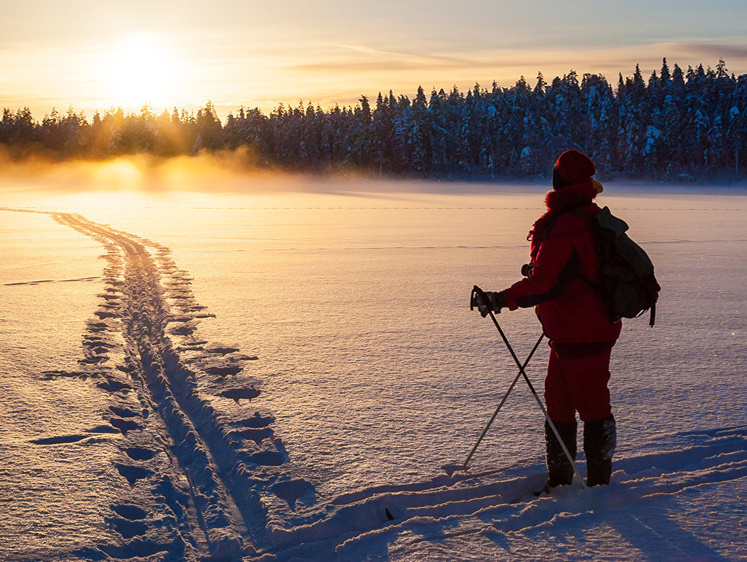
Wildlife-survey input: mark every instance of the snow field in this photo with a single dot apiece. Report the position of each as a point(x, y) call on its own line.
point(225, 452)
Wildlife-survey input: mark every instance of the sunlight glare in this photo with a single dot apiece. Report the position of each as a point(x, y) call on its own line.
point(142, 70)
point(117, 174)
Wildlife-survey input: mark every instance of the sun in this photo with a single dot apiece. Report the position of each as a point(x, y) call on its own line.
point(142, 71)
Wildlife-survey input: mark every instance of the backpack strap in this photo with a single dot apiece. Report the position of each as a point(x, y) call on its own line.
point(577, 211)
point(589, 219)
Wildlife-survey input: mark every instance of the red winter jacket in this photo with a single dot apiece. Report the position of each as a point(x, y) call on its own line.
point(570, 310)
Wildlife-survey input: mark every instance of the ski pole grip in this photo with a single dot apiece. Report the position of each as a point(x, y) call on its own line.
point(475, 291)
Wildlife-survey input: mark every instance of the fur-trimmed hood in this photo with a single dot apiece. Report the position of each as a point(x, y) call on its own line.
point(560, 201)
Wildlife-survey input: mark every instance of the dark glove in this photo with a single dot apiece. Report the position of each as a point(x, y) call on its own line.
point(489, 301)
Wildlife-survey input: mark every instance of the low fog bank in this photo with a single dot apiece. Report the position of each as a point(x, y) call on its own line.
point(219, 171)
point(238, 172)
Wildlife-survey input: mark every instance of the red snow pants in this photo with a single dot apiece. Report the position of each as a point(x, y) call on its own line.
point(576, 381)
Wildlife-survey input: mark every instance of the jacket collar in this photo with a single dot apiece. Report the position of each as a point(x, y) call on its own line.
point(570, 197)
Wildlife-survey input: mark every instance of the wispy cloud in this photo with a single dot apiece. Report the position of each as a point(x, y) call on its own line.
point(507, 65)
point(737, 53)
point(263, 70)
point(360, 58)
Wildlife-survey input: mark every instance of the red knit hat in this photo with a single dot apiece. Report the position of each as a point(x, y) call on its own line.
point(571, 168)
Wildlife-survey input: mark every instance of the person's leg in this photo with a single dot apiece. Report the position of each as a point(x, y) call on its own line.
point(600, 440)
point(591, 397)
point(561, 412)
point(559, 468)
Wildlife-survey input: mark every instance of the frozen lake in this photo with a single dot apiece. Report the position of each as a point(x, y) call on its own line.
point(344, 309)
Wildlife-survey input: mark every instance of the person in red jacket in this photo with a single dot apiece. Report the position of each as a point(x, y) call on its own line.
point(559, 284)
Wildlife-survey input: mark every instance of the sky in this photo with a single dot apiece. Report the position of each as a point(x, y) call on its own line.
point(95, 55)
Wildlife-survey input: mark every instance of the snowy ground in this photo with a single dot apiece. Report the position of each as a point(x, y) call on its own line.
point(282, 376)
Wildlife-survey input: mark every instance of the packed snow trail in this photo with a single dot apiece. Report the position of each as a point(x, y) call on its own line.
point(210, 479)
point(232, 463)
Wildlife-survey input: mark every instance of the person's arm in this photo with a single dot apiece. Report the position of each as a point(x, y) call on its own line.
point(554, 268)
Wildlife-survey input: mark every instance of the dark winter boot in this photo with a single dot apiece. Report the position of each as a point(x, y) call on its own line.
point(559, 469)
point(600, 439)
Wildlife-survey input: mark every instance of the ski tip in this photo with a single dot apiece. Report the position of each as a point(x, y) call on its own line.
point(452, 468)
point(388, 514)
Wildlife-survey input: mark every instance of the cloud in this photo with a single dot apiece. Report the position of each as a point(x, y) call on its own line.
point(729, 52)
point(363, 64)
point(262, 69)
point(359, 58)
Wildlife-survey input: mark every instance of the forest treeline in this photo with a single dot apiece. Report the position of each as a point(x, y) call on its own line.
point(676, 125)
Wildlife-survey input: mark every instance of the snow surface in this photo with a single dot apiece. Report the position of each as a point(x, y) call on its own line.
point(283, 375)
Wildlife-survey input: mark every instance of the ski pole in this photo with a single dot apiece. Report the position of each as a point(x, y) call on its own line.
point(498, 409)
point(477, 290)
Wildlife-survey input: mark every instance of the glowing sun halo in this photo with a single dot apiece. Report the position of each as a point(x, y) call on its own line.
point(142, 71)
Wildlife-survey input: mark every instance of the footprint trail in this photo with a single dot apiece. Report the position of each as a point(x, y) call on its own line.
point(188, 396)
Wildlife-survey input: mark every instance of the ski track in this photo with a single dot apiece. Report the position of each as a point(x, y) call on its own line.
point(142, 341)
point(220, 481)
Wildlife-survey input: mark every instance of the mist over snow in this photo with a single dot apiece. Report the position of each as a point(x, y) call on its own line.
point(277, 368)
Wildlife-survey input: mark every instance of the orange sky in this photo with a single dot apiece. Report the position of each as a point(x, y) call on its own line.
point(98, 55)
